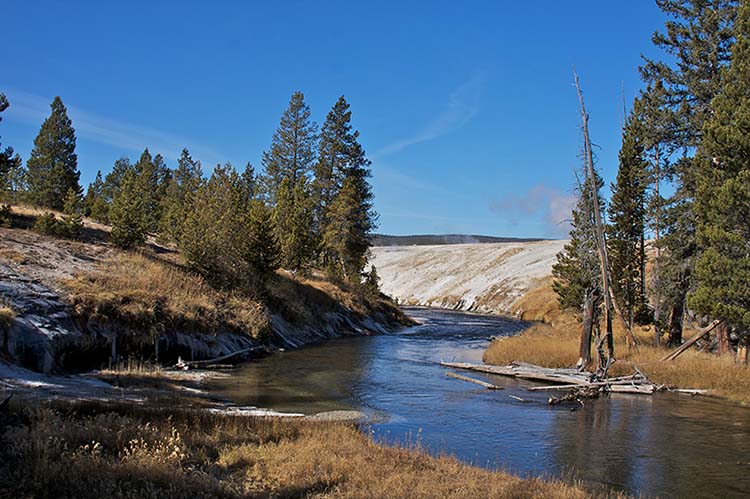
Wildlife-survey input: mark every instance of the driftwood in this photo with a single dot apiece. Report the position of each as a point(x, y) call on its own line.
point(693, 339)
point(187, 364)
point(488, 386)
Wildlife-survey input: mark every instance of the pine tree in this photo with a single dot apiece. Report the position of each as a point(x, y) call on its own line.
point(94, 203)
point(262, 251)
point(216, 232)
point(723, 194)
point(293, 148)
point(72, 220)
point(577, 272)
point(178, 196)
point(336, 141)
point(698, 39)
point(126, 213)
point(152, 175)
point(350, 217)
point(53, 164)
point(10, 165)
point(114, 178)
point(627, 213)
point(293, 222)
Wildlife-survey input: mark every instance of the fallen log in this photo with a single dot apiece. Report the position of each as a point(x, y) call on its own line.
point(611, 382)
point(527, 371)
point(186, 364)
point(697, 336)
point(485, 384)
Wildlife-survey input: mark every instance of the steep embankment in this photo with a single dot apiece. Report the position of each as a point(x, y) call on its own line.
point(478, 277)
point(69, 305)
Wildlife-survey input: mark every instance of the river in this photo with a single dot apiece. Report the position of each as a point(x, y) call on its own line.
point(666, 445)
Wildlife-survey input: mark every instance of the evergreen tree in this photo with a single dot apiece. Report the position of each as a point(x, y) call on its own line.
point(95, 206)
point(53, 164)
point(152, 176)
point(178, 196)
point(336, 141)
point(627, 213)
point(350, 217)
point(293, 222)
point(577, 272)
point(114, 178)
point(72, 220)
point(723, 194)
point(126, 213)
point(262, 251)
point(249, 182)
point(10, 165)
point(293, 148)
point(698, 39)
point(216, 232)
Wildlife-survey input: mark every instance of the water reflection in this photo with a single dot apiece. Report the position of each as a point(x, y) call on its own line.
point(662, 445)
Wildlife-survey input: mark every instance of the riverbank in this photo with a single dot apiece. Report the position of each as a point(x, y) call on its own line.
point(553, 342)
point(72, 306)
point(90, 450)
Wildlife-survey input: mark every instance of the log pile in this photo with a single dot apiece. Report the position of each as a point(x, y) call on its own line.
point(580, 383)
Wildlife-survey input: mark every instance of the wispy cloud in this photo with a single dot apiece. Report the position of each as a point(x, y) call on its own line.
point(552, 205)
point(33, 109)
point(463, 105)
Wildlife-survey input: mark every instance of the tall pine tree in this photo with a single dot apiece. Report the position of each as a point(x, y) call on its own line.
point(94, 203)
point(178, 196)
point(293, 148)
point(349, 217)
point(52, 168)
point(697, 39)
point(126, 214)
point(10, 165)
point(723, 195)
point(627, 214)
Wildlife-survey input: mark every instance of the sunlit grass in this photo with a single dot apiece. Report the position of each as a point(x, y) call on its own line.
point(137, 452)
point(555, 344)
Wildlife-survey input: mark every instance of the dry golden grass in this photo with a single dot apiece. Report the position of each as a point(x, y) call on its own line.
point(134, 452)
point(14, 256)
point(137, 289)
point(555, 342)
point(7, 314)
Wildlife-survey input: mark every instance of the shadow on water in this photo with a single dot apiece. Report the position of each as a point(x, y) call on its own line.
point(664, 445)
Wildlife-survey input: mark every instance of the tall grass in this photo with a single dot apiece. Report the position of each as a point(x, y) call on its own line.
point(555, 342)
point(136, 452)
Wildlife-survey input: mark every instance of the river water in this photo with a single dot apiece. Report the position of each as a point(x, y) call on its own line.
point(666, 445)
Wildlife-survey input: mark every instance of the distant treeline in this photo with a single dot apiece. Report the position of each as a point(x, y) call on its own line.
point(437, 239)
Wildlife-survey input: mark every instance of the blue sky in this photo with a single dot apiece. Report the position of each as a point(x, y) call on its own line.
point(466, 109)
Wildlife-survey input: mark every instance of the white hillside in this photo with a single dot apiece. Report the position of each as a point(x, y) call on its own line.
point(477, 277)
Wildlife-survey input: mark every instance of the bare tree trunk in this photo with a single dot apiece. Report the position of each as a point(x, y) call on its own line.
point(584, 355)
point(722, 333)
point(601, 243)
point(675, 324)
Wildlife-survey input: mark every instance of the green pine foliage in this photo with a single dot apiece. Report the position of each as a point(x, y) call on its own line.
point(215, 238)
point(11, 167)
point(52, 168)
point(47, 224)
point(126, 213)
point(626, 231)
point(343, 195)
point(577, 272)
point(95, 205)
point(151, 173)
point(178, 196)
point(293, 219)
point(262, 250)
point(114, 178)
point(698, 40)
point(293, 148)
point(71, 225)
point(723, 194)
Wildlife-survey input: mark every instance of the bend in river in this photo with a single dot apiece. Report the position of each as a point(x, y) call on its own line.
point(666, 445)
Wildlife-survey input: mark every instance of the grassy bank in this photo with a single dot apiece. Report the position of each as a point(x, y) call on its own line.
point(91, 451)
point(554, 341)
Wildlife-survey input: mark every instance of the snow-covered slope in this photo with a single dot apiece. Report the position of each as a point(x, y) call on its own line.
point(477, 277)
